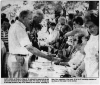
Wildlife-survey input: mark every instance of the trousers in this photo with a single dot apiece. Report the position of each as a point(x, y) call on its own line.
point(17, 66)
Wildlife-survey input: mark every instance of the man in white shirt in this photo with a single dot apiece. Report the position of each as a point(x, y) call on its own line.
point(20, 47)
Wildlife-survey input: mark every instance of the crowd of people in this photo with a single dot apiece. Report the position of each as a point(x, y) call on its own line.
point(72, 42)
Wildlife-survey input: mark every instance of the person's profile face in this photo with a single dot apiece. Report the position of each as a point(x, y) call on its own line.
point(92, 28)
point(62, 25)
point(28, 20)
point(75, 25)
point(38, 19)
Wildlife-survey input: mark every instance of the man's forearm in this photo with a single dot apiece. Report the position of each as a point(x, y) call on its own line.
point(69, 34)
point(35, 51)
point(72, 33)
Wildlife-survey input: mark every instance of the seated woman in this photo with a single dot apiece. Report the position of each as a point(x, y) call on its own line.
point(77, 56)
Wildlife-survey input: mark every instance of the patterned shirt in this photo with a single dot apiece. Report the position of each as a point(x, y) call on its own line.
point(4, 38)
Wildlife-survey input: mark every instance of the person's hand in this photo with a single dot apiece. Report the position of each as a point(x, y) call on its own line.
point(57, 62)
point(56, 59)
point(64, 64)
point(50, 57)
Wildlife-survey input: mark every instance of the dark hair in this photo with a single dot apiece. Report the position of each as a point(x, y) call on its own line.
point(16, 18)
point(4, 19)
point(24, 13)
point(77, 11)
point(71, 16)
point(38, 26)
point(35, 26)
point(52, 24)
point(78, 20)
point(3, 15)
point(91, 17)
point(66, 28)
point(12, 21)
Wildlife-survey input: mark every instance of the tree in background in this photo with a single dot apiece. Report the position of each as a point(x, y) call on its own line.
point(93, 5)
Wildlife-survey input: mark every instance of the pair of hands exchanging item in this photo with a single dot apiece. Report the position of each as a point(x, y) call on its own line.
point(52, 57)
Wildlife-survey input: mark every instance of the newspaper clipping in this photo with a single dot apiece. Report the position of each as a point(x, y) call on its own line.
point(46, 41)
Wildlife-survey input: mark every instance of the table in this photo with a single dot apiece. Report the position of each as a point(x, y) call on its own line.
point(41, 68)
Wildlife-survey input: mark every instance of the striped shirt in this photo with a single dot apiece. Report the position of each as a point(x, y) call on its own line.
point(4, 38)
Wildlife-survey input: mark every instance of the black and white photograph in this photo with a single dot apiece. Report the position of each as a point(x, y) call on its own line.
point(49, 39)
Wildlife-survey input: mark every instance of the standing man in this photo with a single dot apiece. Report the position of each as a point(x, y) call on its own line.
point(20, 47)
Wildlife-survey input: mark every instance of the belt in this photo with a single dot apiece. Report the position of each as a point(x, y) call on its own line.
point(19, 54)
